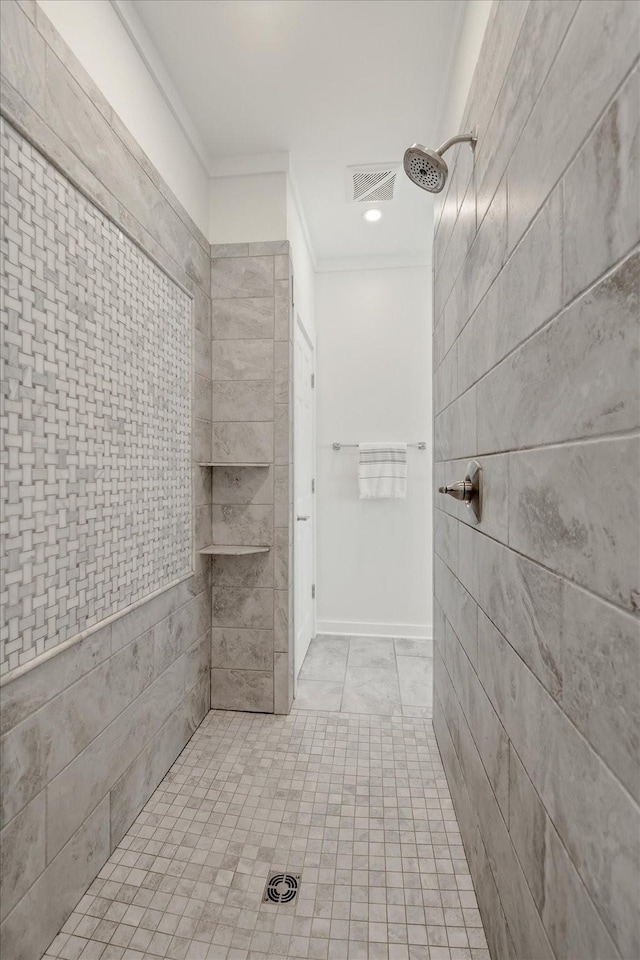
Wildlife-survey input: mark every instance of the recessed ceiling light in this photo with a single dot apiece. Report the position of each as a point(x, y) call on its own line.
point(372, 216)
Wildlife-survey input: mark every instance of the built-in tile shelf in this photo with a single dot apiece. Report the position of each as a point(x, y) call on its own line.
point(224, 550)
point(235, 464)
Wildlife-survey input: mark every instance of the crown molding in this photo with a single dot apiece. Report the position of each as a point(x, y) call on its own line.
point(383, 262)
point(215, 167)
point(249, 165)
point(143, 43)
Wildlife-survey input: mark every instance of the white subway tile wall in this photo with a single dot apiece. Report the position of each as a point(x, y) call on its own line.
point(96, 386)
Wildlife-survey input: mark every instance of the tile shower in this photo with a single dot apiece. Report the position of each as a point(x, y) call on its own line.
point(137, 822)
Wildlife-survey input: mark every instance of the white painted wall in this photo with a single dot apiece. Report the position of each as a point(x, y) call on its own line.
point(304, 278)
point(473, 30)
point(101, 43)
point(374, 383)
point(248, 209)
point(304, 266)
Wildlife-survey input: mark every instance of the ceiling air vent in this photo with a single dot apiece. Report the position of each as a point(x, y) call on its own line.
point(374, 183)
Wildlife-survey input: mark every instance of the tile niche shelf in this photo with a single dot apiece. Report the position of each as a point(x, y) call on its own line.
point(228, 550)
point(224, 550)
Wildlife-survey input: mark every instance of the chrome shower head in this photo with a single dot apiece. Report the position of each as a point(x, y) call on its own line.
point(426, 168)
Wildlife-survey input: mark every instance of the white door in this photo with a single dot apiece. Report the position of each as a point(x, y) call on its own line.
point(304, 498)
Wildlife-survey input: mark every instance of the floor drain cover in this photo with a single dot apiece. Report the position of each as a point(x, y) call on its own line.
point(281, 887)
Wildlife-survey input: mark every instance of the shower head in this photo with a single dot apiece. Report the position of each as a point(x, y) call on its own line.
point(426, 168)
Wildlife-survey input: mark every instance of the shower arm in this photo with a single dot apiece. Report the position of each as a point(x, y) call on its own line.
point(461, 138)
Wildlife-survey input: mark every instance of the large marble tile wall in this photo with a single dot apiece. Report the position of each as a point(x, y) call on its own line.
point(91, 724)
point(252, 620)
point(536, 341)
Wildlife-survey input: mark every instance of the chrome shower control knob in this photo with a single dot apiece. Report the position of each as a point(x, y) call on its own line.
point(469, 490)
point(461, 490)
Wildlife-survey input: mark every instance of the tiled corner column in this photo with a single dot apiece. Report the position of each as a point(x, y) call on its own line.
point(252, 622)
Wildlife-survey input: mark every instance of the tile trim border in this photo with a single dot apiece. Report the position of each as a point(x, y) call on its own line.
point(41, 146)
point(72, 641)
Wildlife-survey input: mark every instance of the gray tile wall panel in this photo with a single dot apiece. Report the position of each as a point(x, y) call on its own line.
point(536, 353)
point(72, 769)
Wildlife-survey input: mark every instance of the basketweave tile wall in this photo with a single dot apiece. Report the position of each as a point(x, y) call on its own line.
point(96, 375)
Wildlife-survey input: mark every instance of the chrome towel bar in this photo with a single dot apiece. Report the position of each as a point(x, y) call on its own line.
point(422, 445)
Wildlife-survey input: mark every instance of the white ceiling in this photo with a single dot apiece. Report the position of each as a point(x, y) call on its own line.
point(330, 82)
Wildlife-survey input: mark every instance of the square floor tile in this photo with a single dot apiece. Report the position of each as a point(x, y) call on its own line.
point(354, 801)
point(371, 652)
point(425, 713)
point(406, 647)
point(415, 675)
point(326, 659)
point(371, 690)
point(318, 695)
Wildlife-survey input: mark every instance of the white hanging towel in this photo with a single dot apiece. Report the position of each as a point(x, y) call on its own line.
point(383, 471)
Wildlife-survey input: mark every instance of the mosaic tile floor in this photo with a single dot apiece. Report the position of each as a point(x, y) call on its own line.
point(357, 804)
point(371, 675)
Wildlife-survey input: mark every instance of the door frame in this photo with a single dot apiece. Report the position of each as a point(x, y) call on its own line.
point(300, 330)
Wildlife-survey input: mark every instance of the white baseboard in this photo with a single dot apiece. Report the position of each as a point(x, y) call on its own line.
point(352, 628)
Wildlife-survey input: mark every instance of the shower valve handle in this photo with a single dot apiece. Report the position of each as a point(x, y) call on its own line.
point(469, 490)
point(460, 490)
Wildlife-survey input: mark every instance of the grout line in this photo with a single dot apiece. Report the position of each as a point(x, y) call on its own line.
point(473, 807)
point(538, 563)
point(557, 703)
point(511, 744)
point(600, 279)
point(509, 158)
point(540, 209)
point(630, 433)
